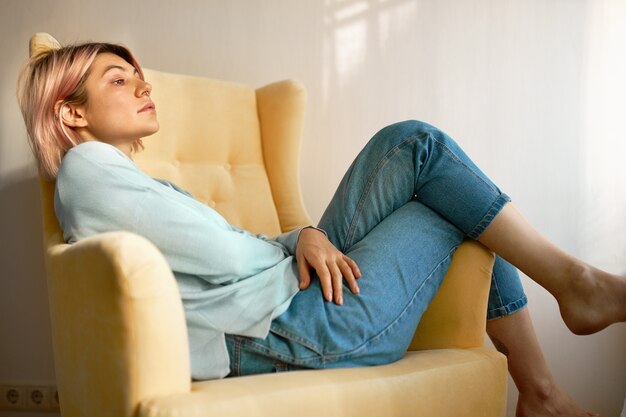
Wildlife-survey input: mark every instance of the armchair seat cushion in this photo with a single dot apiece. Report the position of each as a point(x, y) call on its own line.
point(446, 382)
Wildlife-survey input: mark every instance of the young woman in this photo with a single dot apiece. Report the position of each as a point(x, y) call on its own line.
point(381, 250)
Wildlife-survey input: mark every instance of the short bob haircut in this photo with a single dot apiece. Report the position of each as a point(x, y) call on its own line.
point(57, 76)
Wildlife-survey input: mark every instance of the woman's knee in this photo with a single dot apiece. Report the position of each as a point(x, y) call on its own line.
point(397, 133)
point(406, 128)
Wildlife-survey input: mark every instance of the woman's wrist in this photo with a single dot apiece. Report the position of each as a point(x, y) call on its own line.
point(315, 228)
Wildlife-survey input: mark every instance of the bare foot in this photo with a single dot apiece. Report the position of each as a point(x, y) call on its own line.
point(592, 300)
point(552, 402)
point(589, 299)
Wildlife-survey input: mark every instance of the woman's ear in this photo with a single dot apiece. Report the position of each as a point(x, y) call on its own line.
point(71, 115)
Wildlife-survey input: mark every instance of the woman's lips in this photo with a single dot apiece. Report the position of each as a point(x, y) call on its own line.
point(147, 107)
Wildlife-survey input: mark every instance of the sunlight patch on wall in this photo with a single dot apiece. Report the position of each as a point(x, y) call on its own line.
point(395, 20)
point(350, 10)
point(348, 36)
point(357, 33)
point(350, 47)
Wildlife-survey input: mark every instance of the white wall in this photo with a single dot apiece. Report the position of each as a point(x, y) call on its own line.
point(533, 90)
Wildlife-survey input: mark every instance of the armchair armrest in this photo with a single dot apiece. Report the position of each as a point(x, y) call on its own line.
point(118, 325)
point(456, 317)
point(281, 108)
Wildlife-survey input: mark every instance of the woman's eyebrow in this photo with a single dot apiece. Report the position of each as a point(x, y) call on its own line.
point(110, 67)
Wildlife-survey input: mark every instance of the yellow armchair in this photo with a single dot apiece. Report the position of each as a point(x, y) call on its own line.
point(118, 325)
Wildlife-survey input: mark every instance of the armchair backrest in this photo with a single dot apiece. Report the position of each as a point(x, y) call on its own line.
point(235, 148)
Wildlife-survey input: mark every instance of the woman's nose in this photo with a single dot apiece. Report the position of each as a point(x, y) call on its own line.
point(144, 89)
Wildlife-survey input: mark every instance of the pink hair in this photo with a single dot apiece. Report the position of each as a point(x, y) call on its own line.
point(58, 76)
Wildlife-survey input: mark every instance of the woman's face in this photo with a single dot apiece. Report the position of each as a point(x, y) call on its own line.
point(119, 110)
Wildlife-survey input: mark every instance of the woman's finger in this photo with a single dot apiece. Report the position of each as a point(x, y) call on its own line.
point(325, 280)
point(305, 273)
point(349, 277)
point(355, 268)
point(337, 281)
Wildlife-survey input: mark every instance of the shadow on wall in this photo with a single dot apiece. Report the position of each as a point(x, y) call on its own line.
point(24, 308)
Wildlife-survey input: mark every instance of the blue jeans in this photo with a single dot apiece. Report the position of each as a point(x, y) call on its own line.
point(407, 202)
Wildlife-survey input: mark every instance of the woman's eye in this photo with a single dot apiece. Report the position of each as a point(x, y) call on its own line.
point(118, 82)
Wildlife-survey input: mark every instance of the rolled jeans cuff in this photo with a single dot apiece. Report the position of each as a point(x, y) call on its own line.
point(508, 309)
point(491, 214)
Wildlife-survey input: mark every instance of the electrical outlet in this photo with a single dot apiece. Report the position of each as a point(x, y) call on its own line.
point(11, 397)
point(36, 398)
point(15, 396)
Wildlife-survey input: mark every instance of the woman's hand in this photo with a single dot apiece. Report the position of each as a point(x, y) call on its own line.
point(314, 250)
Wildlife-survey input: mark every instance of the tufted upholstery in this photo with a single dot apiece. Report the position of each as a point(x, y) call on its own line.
point(119, 334)
point(218, 154)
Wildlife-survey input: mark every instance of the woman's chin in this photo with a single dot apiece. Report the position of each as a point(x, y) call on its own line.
point(152, 130)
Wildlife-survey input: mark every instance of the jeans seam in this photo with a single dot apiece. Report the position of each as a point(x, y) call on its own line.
point(499, 202)
point(237, 355)
point(368, 187)
point(296, 338)
point(447, 150)
point(497, 291)
point(262, 349)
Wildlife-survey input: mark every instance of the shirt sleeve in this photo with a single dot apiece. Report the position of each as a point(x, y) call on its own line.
point(288, 239)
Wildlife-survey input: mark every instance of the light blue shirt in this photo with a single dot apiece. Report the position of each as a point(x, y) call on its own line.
point(230, 280)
